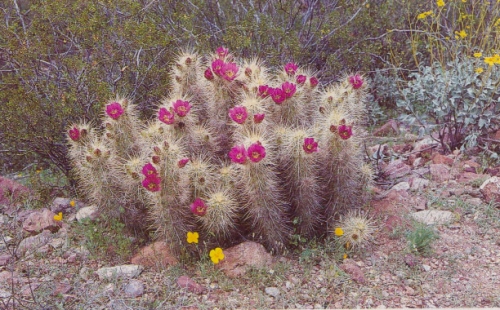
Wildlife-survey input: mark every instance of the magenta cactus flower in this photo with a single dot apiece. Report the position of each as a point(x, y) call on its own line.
point(263, 91)
point(301, 79)
point(291, 68)
point(277, 94)
point(256, 152)
point(310, 146)
point(114, 110)
point(313, 81)
point(222, 51)
point(238, 154)
point(217, 66)
point(229, 71)
point(148, 170)
point(152, 183)
point(209, 75)
point(258, 118)
point(182, 107)
point(356, 81)
point(181, 163)
point(289, 89)
point(238, 114)
point(166, 116)
point(74, 134)
point(345, 132)
point(198, 207)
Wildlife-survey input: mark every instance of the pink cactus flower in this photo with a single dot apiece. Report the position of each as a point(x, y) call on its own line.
point(209, 75)
point(166, 116)
point(345, 132)
point(277, 94)
point(217, 66)
point(356, 81)
point(114, 110)
point(258, 118)
point(238, 114)
point(182, 163)
point(264, 91)
point(256, 152)
point(182, 107)
point(289, 89)
point(74, 134)
point(291, 68)
point(149, 170)
point(222, 51)
point(198, 207)
point(310, 146)
point(229, 71)
point(152, 184)
point(238, 154)
point(313, 81)
point(301, 79)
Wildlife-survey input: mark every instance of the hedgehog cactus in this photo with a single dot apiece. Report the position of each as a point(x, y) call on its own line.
point(233, 151)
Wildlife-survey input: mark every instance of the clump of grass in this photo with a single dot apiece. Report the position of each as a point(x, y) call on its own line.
point(420, 239)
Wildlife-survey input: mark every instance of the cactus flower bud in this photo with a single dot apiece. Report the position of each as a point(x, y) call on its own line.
point(248, 72)
point(222, 51)
point(181, 163)
point(74, 134)
point(188, 61)
point(258, 118)
point(97, 152)
point(313, 81)
point(291, 68)
point(301, 79)
point(356, 81)
point(209, 75)
point(156, 159)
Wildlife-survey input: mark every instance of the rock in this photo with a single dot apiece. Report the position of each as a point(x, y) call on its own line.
point(418, 183)
point(57, 243)
point(12, 192)
point(392, 223)
point(123, 271)
point(468, 177)
point(474, 201)
point(155, 255)
point(491, 189)
point(426, 143)
point(433, 217)
point(396, 169)
point(134, 289)
point(440, 172)
point(379, 151)
point(61, 204)
point(350, 267)
point(5, 259)
point(85, 273)
point(419, 203)
point(38, 221)
point(442, 159)
point(470, 163)
point(242, 256)
point(492, 171)
point(89, 212)
point(389, 128)
point(410, 260)
point(402, 148)
point(62, 287)
point(34, 242)
point(426, 268)
point(402, 186)
point(272, 291)
point(4, 242)
point(189, 284)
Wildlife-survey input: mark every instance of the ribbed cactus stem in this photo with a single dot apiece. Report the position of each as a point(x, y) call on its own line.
point(222, 212)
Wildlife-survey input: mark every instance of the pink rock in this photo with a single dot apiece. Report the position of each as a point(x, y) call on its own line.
point(467, 177)
point(440, 172)
point(61, 288)
point(41, 220)
point(350, 267)
point(470, 163)
point(11, 191)
point(189, 284)
point(242, 256)
point(442, 159)
point(155, 255)
point(389, 128)
point(396, 169)
point(491, 189)
point(5, 259)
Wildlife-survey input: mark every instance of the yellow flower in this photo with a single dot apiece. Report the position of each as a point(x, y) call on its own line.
point(440, 3)
point(424, 15)
point(72, 203)
point(38, 170)
point(464, 1)
point(339, 231)
point(216, 255)
point(477, 55)
point(479, 70)
point(192, 237)
point(344, 256)
point(462, 33)
point(58, 217)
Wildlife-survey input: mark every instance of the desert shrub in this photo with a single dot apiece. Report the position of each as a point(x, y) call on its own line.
point(236, 150)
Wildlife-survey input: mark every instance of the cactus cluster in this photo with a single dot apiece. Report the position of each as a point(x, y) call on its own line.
point(235, 151)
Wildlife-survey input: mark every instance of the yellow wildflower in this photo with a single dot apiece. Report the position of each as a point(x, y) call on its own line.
point(339, 231)
point(479, 70)
point(192, 237)
point(216, 255)
point(424, 15)
point(344, 256)
point(489, 61)
point(72, 203)
point(477, 55)
point(462, 34)
point(440, 3)
point(58, 217)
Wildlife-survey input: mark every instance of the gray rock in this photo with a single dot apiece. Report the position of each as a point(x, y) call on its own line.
point(85, 273)
point(433, 217)
point(123, 271)
point(474, 201)
point(89, 212)
point(134, 288)
point(426, 268)
point(440, 172)
point(396, 169)
point(56, 243)
point(418, 184)
point(402, 186)
point(61, 204)
point(34, 242)
point(272, 291)
point(41, 220)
